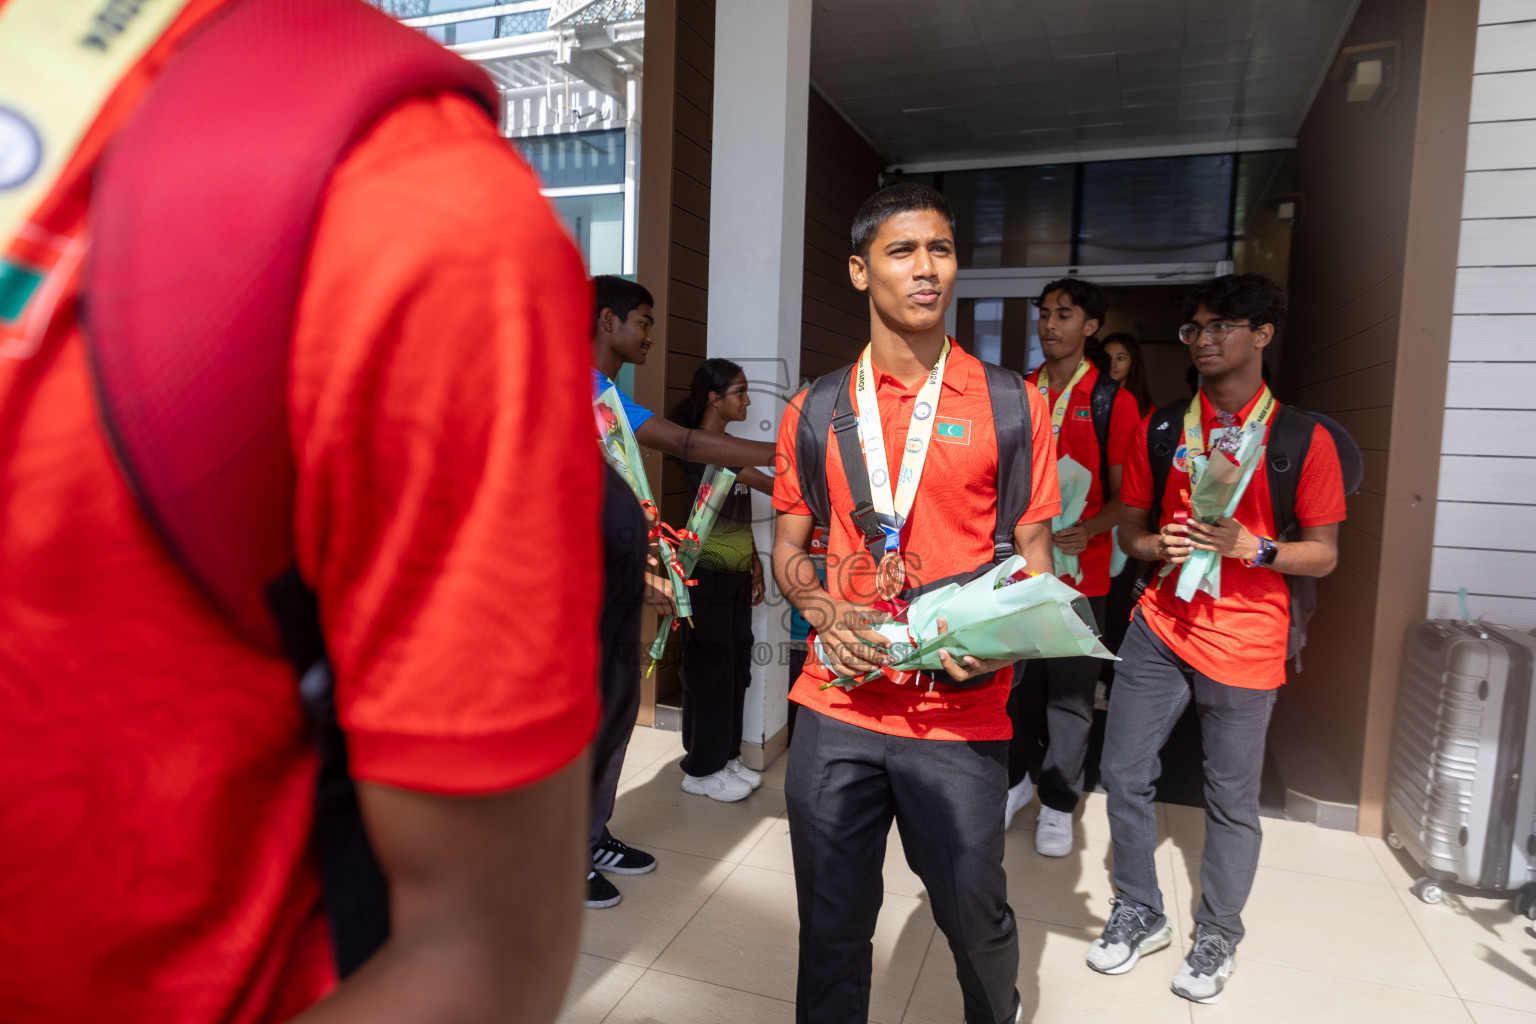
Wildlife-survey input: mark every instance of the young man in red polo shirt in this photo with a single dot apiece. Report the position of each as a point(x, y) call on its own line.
point(157, 779)
point(1226, 654)
point(1071, 312)
point(931, 755)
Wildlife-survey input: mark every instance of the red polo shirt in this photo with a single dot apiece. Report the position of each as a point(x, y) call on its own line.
point(1079, 441)
point(156, 776)
point(948, 531)
point(1239, 640)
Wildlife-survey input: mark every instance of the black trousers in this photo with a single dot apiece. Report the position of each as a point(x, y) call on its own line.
point(843, 788)
point(1052, 712)
point(716, 670)
point(1153, 688)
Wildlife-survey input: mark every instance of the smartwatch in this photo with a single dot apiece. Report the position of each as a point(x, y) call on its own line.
point(1268, 549)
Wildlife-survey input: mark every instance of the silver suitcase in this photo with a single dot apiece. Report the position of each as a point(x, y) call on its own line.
point(1461, 789)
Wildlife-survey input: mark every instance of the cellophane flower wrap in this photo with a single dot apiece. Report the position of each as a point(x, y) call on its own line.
point(1005, 615)
point(707, 504)
point(1217, 483)
point(1075, 481)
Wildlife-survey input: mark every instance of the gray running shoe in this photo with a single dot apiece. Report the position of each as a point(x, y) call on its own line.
point(1206, 969)
point(1131, 931)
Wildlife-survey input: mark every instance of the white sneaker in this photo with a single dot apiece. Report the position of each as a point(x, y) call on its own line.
point(723, 786)
point(1018, 796)
point(1053, 833)
point(742, 772)
point(1205, 971)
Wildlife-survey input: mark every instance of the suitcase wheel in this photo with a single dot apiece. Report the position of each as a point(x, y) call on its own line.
point(1428, 890)
point(1525, 902)
point(1393, 841)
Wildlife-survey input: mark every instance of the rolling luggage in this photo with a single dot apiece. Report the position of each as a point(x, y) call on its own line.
point(1461, 787)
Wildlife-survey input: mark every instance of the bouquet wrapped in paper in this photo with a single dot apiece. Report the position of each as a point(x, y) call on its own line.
point(1076, 482)
point(1218, 479)
point(1007, 614)
point(688, 543)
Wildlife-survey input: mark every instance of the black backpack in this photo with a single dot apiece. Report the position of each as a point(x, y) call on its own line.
point(826, 406)
point(1290, 439)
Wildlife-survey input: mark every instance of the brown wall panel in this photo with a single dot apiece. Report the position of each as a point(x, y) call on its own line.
point(842, 169)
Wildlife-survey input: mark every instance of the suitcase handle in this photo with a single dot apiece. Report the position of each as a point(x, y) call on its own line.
point(1435, 633)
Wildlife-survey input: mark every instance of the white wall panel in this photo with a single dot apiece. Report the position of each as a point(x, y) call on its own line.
point(1502, 338)
point(1506, 48)
point(1496, 290)
point(1499, 194)
point(1491, 432)
point(1468, 524)
point(1519, 613)
point(1498, 243)
point(1504, 573)
point(1505, 480)
point(1501, 145)
point(1505, 97)
point(1487, 492)
point(1493, 12)
point(1492, 386)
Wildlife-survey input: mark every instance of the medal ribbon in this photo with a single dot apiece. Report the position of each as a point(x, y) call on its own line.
point(1194, 433)
point(60, 61)
point(893, 511)
point(1059, 410)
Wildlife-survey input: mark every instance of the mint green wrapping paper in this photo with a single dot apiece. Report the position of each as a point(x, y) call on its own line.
point(1032, 618)
point(1075, 481)
point(713, 491)
point(1217, 486)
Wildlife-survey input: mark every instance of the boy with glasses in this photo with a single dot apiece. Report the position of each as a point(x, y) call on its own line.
point(1225, 653)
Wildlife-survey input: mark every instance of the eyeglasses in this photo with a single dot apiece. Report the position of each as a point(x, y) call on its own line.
point(1217, 332)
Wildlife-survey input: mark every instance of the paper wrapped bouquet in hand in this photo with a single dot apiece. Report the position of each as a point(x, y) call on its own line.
point(1006, 615)
point(687, 545)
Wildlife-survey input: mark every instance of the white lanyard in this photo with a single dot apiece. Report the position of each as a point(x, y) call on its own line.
point(1059, 410)
point(893, 511)
point(60, 60)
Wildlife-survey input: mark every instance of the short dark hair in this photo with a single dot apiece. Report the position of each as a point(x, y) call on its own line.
point(1086, 295)
point(1252, 297)
point(618, 294)
point(902, 197)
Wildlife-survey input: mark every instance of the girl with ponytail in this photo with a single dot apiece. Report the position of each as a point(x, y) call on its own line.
point(717, 647)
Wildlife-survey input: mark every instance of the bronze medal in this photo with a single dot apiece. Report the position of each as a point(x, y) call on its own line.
point(890, 576)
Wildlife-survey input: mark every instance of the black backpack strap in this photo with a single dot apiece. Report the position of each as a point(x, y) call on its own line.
point(1163, 431)
point(1290, 439)
point(1015, 452)
point(828, 407)
point(1102, 405)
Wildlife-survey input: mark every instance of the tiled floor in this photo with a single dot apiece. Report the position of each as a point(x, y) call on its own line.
point(1334, 934)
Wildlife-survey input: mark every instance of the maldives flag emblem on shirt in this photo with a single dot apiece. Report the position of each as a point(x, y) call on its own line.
point(953, 431)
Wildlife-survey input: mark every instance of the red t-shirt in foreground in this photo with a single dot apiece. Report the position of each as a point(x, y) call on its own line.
point(156, 778)
point(1078, 440)
point(1241, 639)
point(949, 531)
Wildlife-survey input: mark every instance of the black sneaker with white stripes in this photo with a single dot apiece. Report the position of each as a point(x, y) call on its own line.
point(601, 893)
point(617, 859)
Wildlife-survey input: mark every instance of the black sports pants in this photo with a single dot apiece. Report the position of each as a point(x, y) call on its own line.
point(843, 788)
point(717, 669)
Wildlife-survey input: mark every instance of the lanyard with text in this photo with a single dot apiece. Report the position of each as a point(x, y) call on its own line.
point(1231, 441)
point(892, 511)
point(60, 61)
point(1059, 410)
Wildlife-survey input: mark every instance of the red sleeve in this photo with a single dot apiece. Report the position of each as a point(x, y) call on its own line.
point(448, 479)
point(1044, 487)
point(1136, 478)
point(1123, 419)
point(1320, 493)
point(786, 477)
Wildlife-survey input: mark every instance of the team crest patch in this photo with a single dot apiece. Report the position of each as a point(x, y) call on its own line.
point(953, 431)
point(1181, 459)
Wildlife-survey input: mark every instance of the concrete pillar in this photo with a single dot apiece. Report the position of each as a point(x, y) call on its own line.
point(756, 265)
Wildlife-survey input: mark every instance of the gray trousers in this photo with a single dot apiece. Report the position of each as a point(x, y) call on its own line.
point(843, 788)
point(1153, 686)
point(1052, 712)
